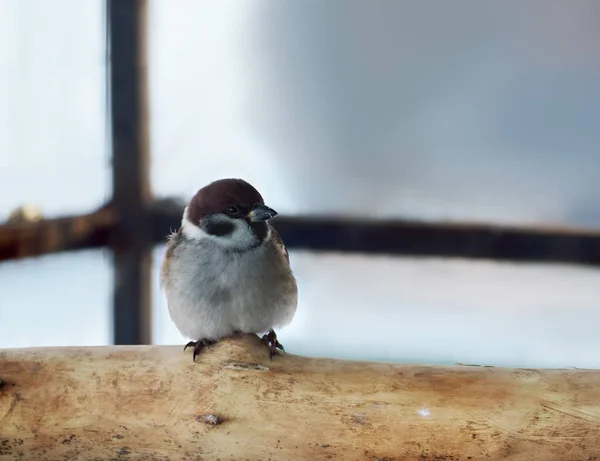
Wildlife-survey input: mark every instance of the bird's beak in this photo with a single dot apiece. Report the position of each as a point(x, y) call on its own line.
point(261, 213)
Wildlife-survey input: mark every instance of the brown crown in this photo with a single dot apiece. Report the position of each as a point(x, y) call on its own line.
point(218, 195)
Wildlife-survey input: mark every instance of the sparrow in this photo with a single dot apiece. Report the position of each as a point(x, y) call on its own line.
point(226, 270)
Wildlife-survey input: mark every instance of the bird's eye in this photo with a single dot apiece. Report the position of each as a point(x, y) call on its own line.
point(232, 209)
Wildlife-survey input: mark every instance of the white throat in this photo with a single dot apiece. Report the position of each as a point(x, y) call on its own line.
point(241, 238)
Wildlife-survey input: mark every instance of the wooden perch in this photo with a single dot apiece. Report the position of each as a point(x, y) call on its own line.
point(154, 403)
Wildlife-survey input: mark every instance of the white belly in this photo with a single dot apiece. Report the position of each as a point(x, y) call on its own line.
point(211, 295)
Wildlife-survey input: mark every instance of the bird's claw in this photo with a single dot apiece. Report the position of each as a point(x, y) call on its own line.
point(198, 345)
point(270, 340)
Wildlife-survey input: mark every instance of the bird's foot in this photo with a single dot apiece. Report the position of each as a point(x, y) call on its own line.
point(270, 340)
point(198, 345)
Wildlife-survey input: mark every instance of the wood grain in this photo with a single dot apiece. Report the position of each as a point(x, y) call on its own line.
point(154, 403)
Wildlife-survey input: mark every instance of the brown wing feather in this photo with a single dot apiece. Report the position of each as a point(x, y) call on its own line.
point(277, 239)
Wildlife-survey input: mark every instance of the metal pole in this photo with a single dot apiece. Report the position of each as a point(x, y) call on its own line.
point(131, 240)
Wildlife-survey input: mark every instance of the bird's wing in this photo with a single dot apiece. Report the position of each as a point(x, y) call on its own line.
point(277, 239)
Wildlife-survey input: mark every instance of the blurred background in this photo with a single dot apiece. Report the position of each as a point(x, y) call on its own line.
point(462, 111)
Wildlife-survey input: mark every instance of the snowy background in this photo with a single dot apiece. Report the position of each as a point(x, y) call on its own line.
point(466, 111)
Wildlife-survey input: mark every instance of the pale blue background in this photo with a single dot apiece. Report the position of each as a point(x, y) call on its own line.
point(466, 110)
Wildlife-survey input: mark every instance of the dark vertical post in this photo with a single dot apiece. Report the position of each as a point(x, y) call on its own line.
point(131, 241)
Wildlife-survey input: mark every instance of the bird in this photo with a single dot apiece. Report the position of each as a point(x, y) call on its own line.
point(226, 270)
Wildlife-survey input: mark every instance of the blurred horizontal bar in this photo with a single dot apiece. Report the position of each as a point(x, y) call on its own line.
point(397, 237)
point(415, 238)
point(21, 240)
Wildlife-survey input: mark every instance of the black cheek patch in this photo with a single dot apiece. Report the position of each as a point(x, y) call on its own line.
point(219, 229)
point(260, 229)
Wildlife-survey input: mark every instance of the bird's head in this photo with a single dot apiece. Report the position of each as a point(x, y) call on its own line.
point(230, 212)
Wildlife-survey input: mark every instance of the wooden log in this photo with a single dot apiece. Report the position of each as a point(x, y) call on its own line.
point(154, 403)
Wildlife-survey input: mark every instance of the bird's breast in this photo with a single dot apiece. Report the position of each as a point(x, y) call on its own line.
point(211, 273)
